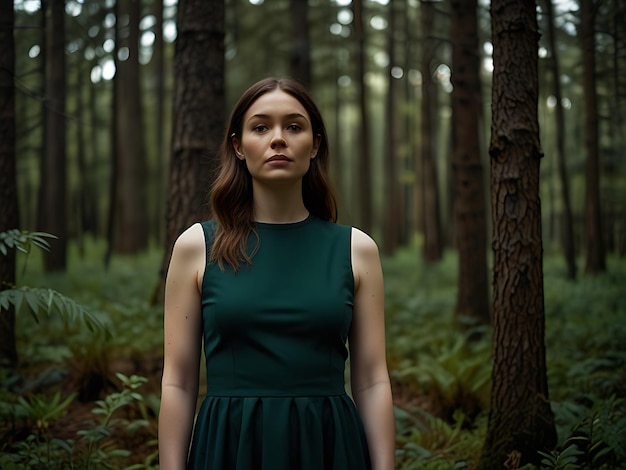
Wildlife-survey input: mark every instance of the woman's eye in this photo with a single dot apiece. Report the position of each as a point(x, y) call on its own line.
point(260, 128)
point(293, 127)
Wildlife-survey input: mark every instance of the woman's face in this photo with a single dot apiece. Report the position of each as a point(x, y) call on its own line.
point(277, 141)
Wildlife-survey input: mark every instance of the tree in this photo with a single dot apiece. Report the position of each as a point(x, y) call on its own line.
point(300, 48)
point(53, 189)
point(392, 213)
point(9, 212)
point(364, 158)
point(433, 238)
point(199, 114)
point(520, 418)
point(469, 191)
point(129, 214)
point(569, 250)
point(596, 257)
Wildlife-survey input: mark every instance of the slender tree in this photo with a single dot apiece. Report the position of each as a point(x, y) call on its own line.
point(392, 212)
point(596, 257)
point(9, 212)
point(433, 237)
point(364, 158)
point(569, 250)
point(520, 418)
point(199, 114)
point(130, 215)
point(53, 191)
point(300, 48)
point(161, 146)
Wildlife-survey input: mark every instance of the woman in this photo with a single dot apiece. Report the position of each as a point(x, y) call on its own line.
point(275, 287)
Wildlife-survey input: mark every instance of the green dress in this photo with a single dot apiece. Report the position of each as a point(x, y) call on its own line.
point(275, 345)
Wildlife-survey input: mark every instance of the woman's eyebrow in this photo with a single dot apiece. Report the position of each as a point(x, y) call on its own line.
point(288, 116)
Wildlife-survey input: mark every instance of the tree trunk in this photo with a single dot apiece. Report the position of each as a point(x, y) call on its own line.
point(469, 192)
point(433, 238)
point(596, 258)
point(391, 229)
point(130, 221)
point(569, 250)
point(520, 419)
point(161, 146)
point(53, 200)
point(363, 158)
point(9, 212)
point(300, 48)
point(199, 114)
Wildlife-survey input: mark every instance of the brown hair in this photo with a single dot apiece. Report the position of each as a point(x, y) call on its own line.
point(231, 193)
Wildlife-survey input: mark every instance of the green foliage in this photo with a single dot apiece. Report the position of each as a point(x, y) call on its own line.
point(43, 410)
point(436, 370)
point(41, 450)
point(426, 441)
point(565, 460)
point(23, 241)
point(42, 301)
point(596, 441)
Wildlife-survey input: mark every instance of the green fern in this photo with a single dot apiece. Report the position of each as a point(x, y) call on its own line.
point(41, 301)
point(562, 460)
point(23, 241)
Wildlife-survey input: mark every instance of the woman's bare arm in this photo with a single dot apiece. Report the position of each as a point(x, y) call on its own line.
point(182, 345)
point(371, 388)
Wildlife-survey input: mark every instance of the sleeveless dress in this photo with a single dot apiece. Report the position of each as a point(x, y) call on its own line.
point(275, 345)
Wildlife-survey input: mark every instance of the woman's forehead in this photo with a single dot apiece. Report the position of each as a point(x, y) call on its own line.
point(276, 103)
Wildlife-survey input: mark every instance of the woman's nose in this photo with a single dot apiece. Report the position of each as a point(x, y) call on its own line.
point(277, 139)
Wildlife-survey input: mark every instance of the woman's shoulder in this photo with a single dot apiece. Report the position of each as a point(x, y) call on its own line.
point(362, 243)
point(191, 239)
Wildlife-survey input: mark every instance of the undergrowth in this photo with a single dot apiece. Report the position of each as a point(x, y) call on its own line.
point(441, 380)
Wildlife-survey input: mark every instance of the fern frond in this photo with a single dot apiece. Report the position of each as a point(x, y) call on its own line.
point(23, 240)
point(42, 301)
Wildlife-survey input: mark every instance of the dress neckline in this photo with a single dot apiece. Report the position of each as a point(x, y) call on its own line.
point(285, 226)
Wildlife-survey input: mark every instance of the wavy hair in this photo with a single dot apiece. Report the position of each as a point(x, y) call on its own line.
point(231, 193)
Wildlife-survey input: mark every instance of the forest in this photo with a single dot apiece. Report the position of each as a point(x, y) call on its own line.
point(480, 143)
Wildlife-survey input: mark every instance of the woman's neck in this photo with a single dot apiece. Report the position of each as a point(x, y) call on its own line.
point(278, 205)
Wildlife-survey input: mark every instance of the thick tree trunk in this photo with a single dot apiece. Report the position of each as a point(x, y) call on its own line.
point(433, 237)
point(53, 200)
point(9, 212)
point(520, 419)
point(130, 221)
point(596, 258)
point(392, 214)
point(469, 191)
point(199, 115)
point(567, 228)
point(363, 158)
point(300, 48)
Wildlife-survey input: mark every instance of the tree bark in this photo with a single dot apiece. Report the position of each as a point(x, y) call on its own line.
point(520, 419)
point(469, 192)
point(130, 216)
point(300, 49)
point(9, 211)
point(53, 200)
point(364, 159)
point(199, 115)
point(567, 228)
point(433, 237)
point(596, 257)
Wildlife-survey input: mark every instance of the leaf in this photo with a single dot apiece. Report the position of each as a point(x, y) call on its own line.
point(62, 444)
